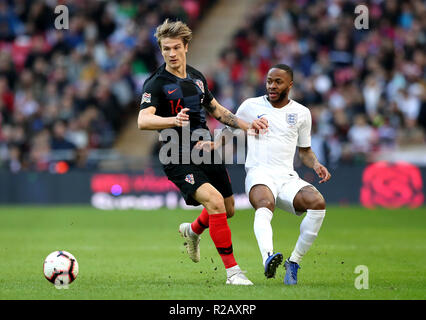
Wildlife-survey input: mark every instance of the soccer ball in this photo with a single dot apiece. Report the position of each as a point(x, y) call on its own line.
point(60, 268)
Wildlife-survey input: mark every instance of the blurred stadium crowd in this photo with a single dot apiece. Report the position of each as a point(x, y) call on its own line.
point(64, 93)
point(365, 88)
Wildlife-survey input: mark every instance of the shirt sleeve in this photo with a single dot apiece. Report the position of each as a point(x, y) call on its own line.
point(304, 139)
point(242, 112)
point(151, 96)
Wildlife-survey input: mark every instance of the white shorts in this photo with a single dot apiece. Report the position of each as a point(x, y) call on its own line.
point(284, 187)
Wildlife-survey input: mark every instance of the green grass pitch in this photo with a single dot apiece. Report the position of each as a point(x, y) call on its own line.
point(140, 255)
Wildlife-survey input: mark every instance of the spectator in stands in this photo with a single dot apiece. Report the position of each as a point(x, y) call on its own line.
point(371, 76)
point(87, 75)
point(71, 89)
point(362, 137)
point(58, 140)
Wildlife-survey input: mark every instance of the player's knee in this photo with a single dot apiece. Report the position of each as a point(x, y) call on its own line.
point(265, 203)
point(317, 203)
point(215, 204)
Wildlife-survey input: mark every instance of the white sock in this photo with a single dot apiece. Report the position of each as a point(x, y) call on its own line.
point(263, 231)
point(192, 233)
point(309, 228)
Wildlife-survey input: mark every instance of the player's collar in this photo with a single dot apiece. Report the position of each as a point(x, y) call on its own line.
point(164, 73)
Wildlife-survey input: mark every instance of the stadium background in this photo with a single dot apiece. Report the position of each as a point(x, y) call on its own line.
point(69, 100)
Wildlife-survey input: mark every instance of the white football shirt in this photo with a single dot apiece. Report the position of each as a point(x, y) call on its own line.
point(289, 126)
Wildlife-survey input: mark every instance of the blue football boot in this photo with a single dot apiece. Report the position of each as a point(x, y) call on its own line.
point(290, 272)
point(272, 263)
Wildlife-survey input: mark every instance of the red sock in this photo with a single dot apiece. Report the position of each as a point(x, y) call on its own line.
point(221, 236)
point(201, 223)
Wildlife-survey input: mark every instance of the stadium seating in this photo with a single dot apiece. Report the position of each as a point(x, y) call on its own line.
point(365, 88)
point(65, 94)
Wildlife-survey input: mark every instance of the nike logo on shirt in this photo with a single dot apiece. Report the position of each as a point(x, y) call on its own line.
point(170, 92)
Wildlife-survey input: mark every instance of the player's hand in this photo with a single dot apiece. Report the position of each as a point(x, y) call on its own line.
point(258, 126)
point(182, 119)
point(322, 172)
point(205, 145)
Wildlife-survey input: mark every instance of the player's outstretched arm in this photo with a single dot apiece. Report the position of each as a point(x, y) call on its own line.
point(225, 116)
point(147, 120)
point(221, 139)
point(310, 160)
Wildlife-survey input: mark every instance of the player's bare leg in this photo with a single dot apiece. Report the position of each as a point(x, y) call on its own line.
point(263, 201)
point(308, 199)
point(229, 206)
point(202, 221)
point(192, 231)
point(220, 232)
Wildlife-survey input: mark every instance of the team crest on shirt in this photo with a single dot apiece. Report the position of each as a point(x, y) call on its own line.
point(146, 97)
point(200, 84)
point(190, 178)
point(291, 118)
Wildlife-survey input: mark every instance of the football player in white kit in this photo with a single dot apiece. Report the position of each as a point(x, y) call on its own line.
point(271, 180)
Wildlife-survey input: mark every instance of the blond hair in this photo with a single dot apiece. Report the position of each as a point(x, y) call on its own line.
point(173, 29)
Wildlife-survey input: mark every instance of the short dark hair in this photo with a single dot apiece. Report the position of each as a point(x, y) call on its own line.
point(284, 67)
